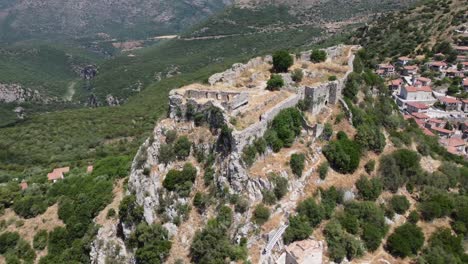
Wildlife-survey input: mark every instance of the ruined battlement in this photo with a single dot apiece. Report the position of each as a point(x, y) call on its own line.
point(248, 107)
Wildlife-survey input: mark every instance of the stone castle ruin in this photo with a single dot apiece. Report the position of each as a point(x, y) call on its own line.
point(241, 95)
point(237, 99)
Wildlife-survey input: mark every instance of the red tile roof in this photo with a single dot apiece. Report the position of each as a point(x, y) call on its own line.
point(404, 58)
point(451, 70)
point(453, 142)
point(462, 48)
point(452, 150)
point(465, 82)
point(448, 100)
point(424, 79)
point(438, 63)
point(418, 105)
point(420, 115)
point(441, 130)
point(412, 89)
point(428, 132)
point(410, 67)
point(57, 173)
point(386, 66)
point(435, 121)
point(23, 185)
point(396, 82)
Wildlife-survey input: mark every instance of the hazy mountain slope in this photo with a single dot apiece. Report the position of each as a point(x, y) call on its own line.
point(254, 16)
point(261, 22)
point(415, 30)
point(47, 68)
point(25, 19)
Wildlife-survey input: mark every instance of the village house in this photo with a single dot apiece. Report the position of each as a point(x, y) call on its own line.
point(420, 116)
point(461, 49)
point(428, 132)
point(423, 81)
point(442, 132)
point(450, 103)
point(452, 73)
point(454, 145)
point(386, 70)
point(462, 58)
point(403, 60)
point(438, 66)
point(434, 122)
point(57, 174)
point(465, 84)
point(303, 252)
point(412, 93)
point(410, 70)
point(415, 107)
point(395, 85)
point(464, 65)
point(464, 105)
point(23, 185)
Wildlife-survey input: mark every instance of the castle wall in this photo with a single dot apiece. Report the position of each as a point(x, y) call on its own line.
point(248, 135)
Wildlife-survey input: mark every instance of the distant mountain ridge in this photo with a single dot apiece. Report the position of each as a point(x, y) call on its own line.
point(25, 19)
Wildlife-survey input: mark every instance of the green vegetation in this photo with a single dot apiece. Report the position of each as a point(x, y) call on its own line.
point(30, 206)
point(405, 241)
point(181, 181)
point(15, 248)
point(341, 244)
point(182, 147)
point(152, 242)
point(323, 170)
point(397, 167)
point(285, 127)
point(212, 244)
point(200, 201)
point(327, 131)
point(282, 60)
point(46, 67)
point(281, 186)
point(444, 248)
point(370, 166)
point(318, 56)
point(275, 82)
point(370, 138)
point(297, 164)
point(298, 229)
point(40, 240)
point(310, 214)
point(261, 214)
point(297, 75)
point(343, 155)
point(399, 204)
point(369, 189)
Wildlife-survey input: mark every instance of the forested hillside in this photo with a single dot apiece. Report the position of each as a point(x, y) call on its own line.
point(57, 19)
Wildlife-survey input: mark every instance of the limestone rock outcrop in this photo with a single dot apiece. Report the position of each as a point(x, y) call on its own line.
point(15, 93)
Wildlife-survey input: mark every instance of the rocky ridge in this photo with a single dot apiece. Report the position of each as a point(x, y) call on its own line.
point(147, 173)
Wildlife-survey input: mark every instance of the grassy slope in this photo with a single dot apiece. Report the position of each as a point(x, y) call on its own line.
point(43, 66)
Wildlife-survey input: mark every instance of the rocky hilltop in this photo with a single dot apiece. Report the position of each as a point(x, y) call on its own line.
point(220, 120)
